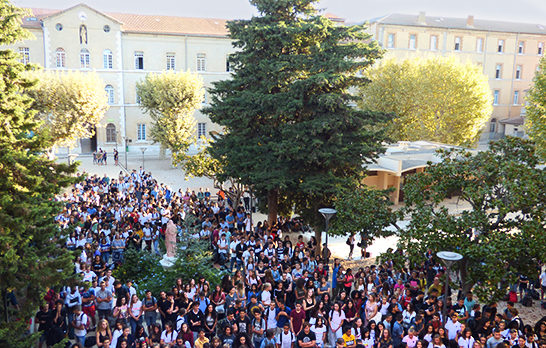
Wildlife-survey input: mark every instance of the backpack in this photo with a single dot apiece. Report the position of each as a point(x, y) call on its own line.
point(534, 294)
point(527, 301)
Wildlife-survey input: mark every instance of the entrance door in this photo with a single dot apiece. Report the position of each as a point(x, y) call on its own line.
point(89, 145)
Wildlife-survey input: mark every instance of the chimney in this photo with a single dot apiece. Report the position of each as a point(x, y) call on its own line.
point(421, 19)
point(470, 21)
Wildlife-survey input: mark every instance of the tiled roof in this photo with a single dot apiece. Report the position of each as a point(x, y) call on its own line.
point(461, 23)
point(156, 24)
point(171, 24)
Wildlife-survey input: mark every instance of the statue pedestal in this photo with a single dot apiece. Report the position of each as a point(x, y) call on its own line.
point(167, 262)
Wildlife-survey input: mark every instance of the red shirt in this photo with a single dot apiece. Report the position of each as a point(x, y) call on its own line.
point(297, 319)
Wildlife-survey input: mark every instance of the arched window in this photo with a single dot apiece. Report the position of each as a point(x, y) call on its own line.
point(84, 58)
point(107, 59)
point(110, 94)
point(110, 133)
point(60, 56)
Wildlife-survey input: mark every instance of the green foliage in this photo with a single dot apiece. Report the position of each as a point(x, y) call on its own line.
point(290, 130)
point(366, 211)
point(171, 99)
point(30, 256)
point(436, 99)
point(502, 233)
point(193, 260)
point(70, 104)
point(535, 119)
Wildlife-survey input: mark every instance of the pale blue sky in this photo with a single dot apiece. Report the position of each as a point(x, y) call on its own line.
point(530, 11)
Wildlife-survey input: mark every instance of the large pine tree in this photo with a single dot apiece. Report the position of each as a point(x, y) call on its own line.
point(30, 258)
point(290, 128)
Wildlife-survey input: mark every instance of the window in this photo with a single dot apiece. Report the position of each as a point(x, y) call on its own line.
point(84, 58)
point(496, 97)
point(139, 60)
point(390, 41)
point(60, 58)
point(229, 64)
point(479, 44)
point(201, 130)
point(540, 48)
point(201, 62)
point(25, 55)
point(412, 41)
point(106, 28)
point(518, 72)
point(500, 46)
point(498, 71)
point(170, 61)
point(111, 133)
point(457, 43)
point(521, 47)
point(205, 99)
point(434, 42)
point(493, 125)
point(107, 59)
point(141, 131)
point(137, 98)
point(516, 98)
point(59, 26)
point(110, 93)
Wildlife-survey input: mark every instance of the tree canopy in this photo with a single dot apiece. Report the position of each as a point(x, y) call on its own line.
point(535, 119)
point(290, 129)
point(500, 235)
point(70, 104)
point(30, 256)
point(171, 99)
point(436, 99)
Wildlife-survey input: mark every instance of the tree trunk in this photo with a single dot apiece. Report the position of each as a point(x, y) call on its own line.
point(318, 237)
point(465, 282)
point(272, 206)
point(162, 152)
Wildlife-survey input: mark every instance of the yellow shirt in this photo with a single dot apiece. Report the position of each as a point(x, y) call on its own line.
point(199, 343)
point(349, 340)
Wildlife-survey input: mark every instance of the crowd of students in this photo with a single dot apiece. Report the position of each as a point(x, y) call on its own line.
point(276, 292)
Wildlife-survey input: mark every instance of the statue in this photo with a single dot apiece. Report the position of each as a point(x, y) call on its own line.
point(170, 238)
point(83, 34)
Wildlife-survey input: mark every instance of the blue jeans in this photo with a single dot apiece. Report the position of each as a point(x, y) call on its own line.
point(150, 318)
point(81, 340)
point(133, 323)
point(105, 256)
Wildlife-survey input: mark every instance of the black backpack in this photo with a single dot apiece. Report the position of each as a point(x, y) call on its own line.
point(527, 301)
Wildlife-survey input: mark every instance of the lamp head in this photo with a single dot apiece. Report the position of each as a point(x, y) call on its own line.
point(327, 213)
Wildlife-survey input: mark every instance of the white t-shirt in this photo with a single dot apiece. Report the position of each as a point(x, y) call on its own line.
point(543, 278)
point(319, 333)
point(466, 343)
point(135, 309)
point(168, 338)
point(286, 340)
point(266, 298)
point(80, 319)
point(336, 319)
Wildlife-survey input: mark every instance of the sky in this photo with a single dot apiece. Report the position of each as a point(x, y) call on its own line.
point(526, 11)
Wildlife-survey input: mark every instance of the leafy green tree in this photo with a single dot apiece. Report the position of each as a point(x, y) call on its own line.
point(436, 99)
point(500, 234)
point(202, 164)
point(290, 129)
point(171, 99)
point(535, 120)
point(367, 212)
point(30, 257)
point(70, 104)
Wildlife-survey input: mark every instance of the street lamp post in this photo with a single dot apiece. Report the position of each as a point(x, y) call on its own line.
point(143, 149)
point(328, 213)
point(448, 258)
